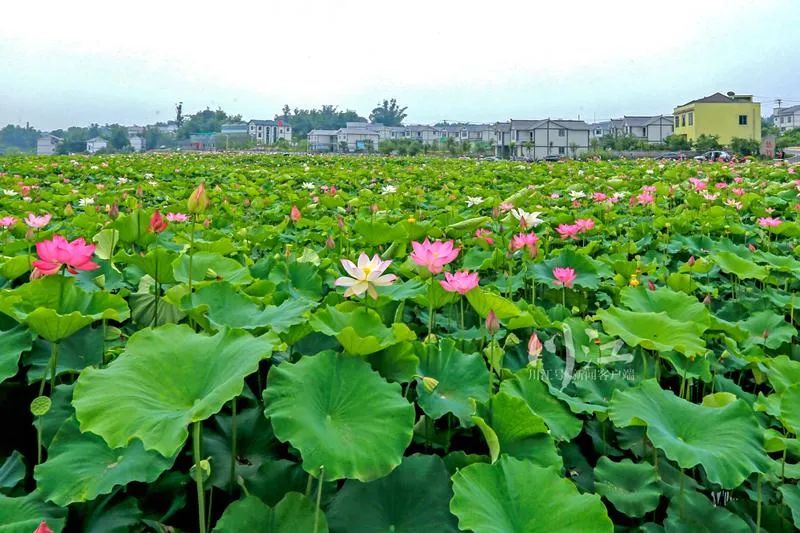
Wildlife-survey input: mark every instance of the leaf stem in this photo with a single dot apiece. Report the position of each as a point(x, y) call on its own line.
point(197, 432)
point(319, 498)
point(233, 445)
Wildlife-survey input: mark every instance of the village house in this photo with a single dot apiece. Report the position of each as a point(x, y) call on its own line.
point(537, 139)
point(47, 144)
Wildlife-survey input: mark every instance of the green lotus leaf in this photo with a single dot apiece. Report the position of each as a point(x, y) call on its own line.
point(726, 441)
point(110, 515)
point(782, 372)
point(396, 363)
point(484, 301)
point(693, 512)
point(510, 427)
point(351, 421)
point(211, 266)
point(106, 240)
point(12, 343)
point(76, 352)
point(677, 305)
point(14, 267)
point(791, 498)
point(462, 377)
point(742, 268)
point(412, 499)
point(23, 514)
point(790, 408)
point(633, 488)
point(12, 471)
point(294, 513)
point(156, 263)
point(360, 331)
point(768, 328)
point(166, 379)
point(557, 416)
point(55, 308)
point(517, 496)
point(225, 306)
point(81, 467)
point(654, 331)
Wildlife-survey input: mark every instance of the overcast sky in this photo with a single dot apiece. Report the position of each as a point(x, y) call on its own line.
point(74, 63)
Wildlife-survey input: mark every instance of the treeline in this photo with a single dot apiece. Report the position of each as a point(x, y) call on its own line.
point(675, 143)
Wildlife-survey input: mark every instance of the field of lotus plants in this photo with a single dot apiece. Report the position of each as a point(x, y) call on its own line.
point(242, 343)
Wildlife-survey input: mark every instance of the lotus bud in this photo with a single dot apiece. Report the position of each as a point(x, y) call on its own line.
point(207, 223)
point(534, 348)
point(707, 300)
point(373, 208)
point(205, 469)
point(340, 222)
point(68, 210)
point(330, 243)
point(751, 247)
point(139, 191)
point(431, 339)
point(690, 262)
point(492, 323)
point(113, 212)
point(43, 528)
point(430, 384)
point(198, 201)
point(295, 215)
point(157, 222)
point(651, 285)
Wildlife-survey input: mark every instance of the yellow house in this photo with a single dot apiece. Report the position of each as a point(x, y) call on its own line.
point(726, 116)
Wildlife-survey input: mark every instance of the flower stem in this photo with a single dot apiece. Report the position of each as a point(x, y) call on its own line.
point(430, 307)
point(319, 498)
point(758, 507)
point(197, 431)
point(233, 445)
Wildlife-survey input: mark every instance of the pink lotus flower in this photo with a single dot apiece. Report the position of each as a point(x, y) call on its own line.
point(177, 217)
point(584, 224)
point(7, 222)
point(38, 222)
point(295, 214)
point(649, 188)
point(568, 231)
point(58, 252)
point(769, 222)
point(506, 206)
point(157, 222)
point(721, 185)
point(461, 282)
point(699, 185)
point(485, 235)
point(564, 277)
point(365, 276)
point(599, 197)
point(526, 240)
point(433, 255)
point(738, 191)
point(645, 198)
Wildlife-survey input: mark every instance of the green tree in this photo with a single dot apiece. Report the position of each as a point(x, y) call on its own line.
point(118, 137)
point(205, 121)
point(17, 138)
point(704, 143)
point(745, 147)
point(386, 147)
point(388, 113)
point(678, 142)
point(450, 145)
point(327, 117)
point(790, 138)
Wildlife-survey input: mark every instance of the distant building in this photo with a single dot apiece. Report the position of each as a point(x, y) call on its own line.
point(169, 128)
point(357, 139)
point(269, 131)
point(422, 133)
point(236, 128)
point(137, 143)
point(95, 144)
point(47, 144)
point(652, 128)
point(136, 131)
point(601, 129)
point(202, 141)
point(786, 118)
point(537, 139)
point(725, 116)
point(322, 140)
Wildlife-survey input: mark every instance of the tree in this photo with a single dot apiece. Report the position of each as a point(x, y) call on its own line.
point(369, 146)
point(179, 114)
point(388, 113)
point(678, 142)
point(450, 145)
point(386, 147)
point(745, 147)
point(17, 138)
point(573, 147)
point(790, 138)
point(343, 146)
point(327, 117)
point(704, 143)
point(118, 137)
point(206, 121)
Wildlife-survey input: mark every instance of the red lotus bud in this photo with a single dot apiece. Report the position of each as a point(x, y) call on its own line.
point(691, 261)
point(198, 201)
point(534, 348)
point(651, 285)
point(157, 222)
point(43, 528)
point(295, 214)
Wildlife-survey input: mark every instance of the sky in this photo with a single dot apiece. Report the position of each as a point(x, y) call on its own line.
point(94, 61)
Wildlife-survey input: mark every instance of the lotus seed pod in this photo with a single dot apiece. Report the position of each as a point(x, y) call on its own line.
point(41, 405)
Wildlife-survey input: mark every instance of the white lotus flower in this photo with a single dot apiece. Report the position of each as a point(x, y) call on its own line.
point(365, 276)
point(388, 189)
point(83, 202)
point(309, 186)
point(575, 195)
point(529, 220)
point(9, 192)
point(474, 200)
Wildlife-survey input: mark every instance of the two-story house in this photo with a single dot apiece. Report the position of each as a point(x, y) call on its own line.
point(47, 144)
point(726, 116)
point(95, 144)
point(786, 118)
point(537, 139)
point(269, 131)
point(651, 128)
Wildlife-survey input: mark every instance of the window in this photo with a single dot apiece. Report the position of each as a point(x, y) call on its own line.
point(562, 132)
point(677, 121)
point(531, 134)
point(743, 120)
point(562, 150)
point(691, 118)
point(683, 119)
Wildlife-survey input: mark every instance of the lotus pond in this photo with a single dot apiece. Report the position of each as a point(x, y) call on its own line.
point(308, 344)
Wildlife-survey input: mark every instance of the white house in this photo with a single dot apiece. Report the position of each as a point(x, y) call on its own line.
point(269, 131)
point(601, 129)
point(652, 128)
point(357, 139)
point(96, 144)
point(137, 143)
point(422, 133)
point(537, 139)
point(46, 144)
point(322, 140)
point(786, 118)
